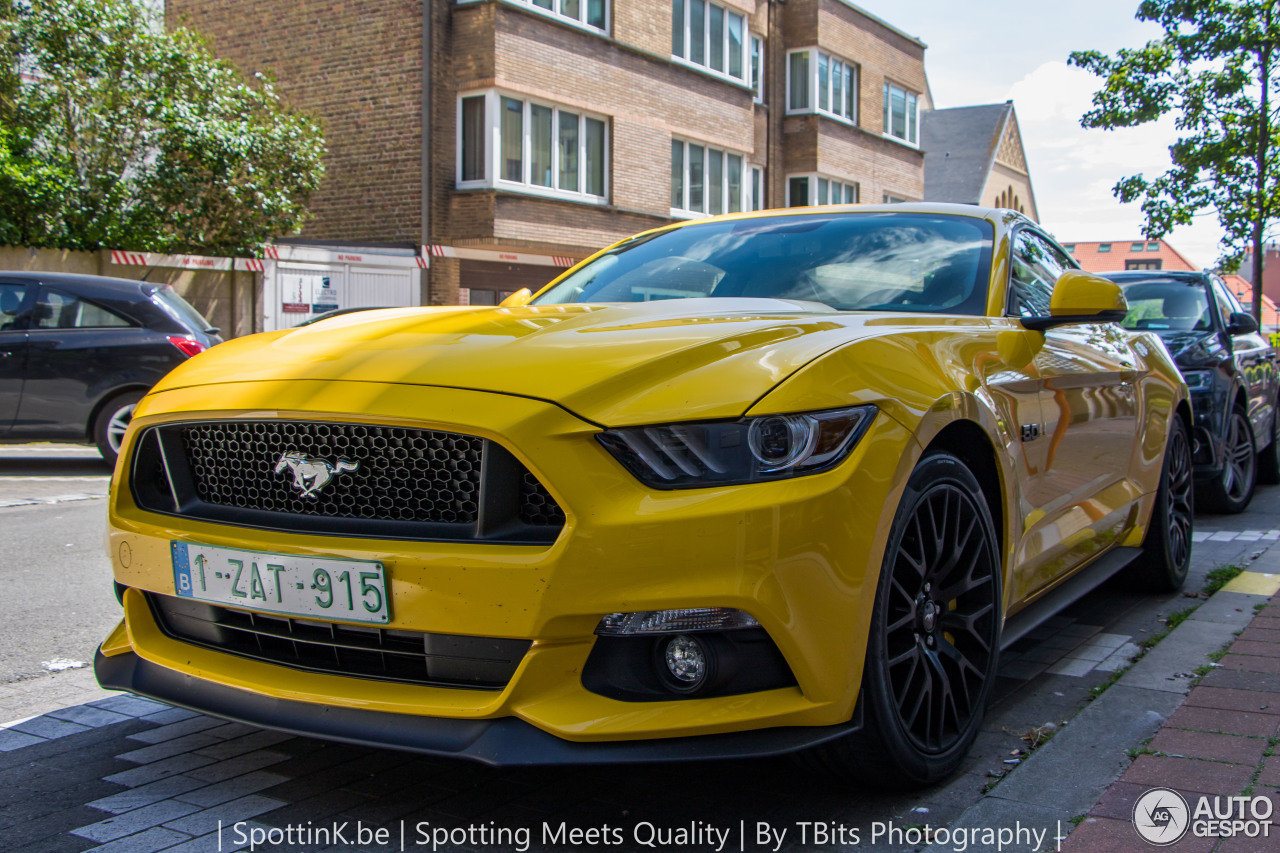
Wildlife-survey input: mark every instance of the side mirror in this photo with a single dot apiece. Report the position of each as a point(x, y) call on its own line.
point(1081, 297)
point(515, 300)
point(1241, 324)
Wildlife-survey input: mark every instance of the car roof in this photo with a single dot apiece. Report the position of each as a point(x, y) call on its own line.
point(102, 287)
point(1132, 276)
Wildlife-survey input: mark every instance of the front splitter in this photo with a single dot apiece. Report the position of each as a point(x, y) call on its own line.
point(503, 742)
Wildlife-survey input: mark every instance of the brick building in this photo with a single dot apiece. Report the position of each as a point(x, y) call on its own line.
point(1116, 255)
point(505, 139)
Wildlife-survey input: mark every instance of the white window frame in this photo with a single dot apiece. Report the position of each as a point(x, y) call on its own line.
point(814, 178)
point(912, 97)
point(555, 14)
point(756, 189)
point(745, 181)
point(815, 55)
point(493, 149)
point(745, 79)
point(757, 80)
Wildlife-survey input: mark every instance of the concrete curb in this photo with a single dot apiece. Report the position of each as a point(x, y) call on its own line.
point(1067, 776)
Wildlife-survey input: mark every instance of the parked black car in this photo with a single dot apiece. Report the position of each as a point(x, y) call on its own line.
point(77, 352)
point(1231, 371)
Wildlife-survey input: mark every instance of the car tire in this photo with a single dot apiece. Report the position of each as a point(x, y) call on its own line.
point(1166, 550)
point(1231, 491)
point(934, 641)
point(112, 421)
point(1269, 456)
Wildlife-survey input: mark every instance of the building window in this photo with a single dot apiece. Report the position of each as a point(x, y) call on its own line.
point(900, 113)
point(757, 68)
point(807, 190)
point(707, 181)
point(710, 36)
point(538, 148)
point(588, 13)
point(1153, 246)
point(1137, 247)
point(1104, 247)
point(889, 198)
point(757, 188)
point(1070, 247)
point(1153, 264)
point(820, 82)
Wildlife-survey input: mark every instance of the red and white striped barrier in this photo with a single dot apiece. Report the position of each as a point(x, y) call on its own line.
point(468, 254)
point(152, 259)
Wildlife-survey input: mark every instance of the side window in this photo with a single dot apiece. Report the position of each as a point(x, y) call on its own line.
point(12, 295)
point(58, 310)
point(1218, 303)
point(1037, 265)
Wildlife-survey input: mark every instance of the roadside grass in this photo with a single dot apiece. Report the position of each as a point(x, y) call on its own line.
point(1220, 577)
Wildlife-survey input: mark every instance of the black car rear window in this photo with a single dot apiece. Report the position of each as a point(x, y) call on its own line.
point(179, 309)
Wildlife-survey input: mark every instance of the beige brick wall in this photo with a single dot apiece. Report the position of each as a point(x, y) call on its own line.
point(1001, 180)
point(225, 297)
point(358, 65)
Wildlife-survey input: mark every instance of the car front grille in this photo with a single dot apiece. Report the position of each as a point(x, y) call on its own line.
point(384, 654)
point(343, 479)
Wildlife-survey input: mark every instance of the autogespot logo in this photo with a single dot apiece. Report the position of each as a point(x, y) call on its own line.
point(1161, 816)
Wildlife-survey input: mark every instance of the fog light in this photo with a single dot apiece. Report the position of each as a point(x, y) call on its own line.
point(686, 660)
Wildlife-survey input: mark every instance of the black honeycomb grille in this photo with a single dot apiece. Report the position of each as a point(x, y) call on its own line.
point(341, 479)
point(399, 474)
point(536, 504)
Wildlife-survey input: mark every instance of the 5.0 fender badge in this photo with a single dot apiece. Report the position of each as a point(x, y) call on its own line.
point(310, 474)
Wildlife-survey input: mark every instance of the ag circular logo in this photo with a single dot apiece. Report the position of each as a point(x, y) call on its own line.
point(1161, 816)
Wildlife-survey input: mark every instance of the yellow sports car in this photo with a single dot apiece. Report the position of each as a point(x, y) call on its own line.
point(755, 484)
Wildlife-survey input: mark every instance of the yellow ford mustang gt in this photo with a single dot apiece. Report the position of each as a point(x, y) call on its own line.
point(765, 483)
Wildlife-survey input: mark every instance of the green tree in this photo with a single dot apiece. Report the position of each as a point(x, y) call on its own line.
point(1214, 70)
point(115, 132)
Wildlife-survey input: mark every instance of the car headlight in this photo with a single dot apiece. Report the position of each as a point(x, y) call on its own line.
point(714, 453)
point(1197, 379)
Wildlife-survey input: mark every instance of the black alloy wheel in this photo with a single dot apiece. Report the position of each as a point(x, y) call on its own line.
point(1166, 551)
point(934, 643)
point(1231, 491)
point(941, 617)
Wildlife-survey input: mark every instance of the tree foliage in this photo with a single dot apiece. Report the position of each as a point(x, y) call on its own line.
point(1214, 70)
point(115, 132)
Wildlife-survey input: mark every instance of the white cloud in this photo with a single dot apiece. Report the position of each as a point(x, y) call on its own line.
point(1074, 169)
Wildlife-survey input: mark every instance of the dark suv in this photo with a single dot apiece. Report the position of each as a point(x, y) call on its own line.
point(1231, 371)
point(77, 352)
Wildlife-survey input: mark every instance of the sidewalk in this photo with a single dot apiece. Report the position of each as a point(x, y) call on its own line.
point(1221, 742)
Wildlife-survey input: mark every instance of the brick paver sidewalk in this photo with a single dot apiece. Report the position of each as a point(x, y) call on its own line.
point(1221, 742)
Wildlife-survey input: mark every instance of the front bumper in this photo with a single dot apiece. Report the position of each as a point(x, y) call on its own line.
point(505, 742)
point(801, 556)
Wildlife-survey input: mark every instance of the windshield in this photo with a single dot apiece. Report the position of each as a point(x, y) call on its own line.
point(848, 261)
point(1167, 305)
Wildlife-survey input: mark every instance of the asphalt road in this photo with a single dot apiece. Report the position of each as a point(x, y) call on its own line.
point(57, 595)
point(59, 604)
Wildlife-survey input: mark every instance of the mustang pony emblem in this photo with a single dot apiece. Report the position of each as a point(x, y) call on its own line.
point(310, 474)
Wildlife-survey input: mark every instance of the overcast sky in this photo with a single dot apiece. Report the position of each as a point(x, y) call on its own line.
point(984, 53)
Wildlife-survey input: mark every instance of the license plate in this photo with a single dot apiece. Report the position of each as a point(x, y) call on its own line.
point(347, 590)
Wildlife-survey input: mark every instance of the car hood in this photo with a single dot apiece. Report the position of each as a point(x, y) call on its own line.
point(1192, 349)
point(613, 364)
